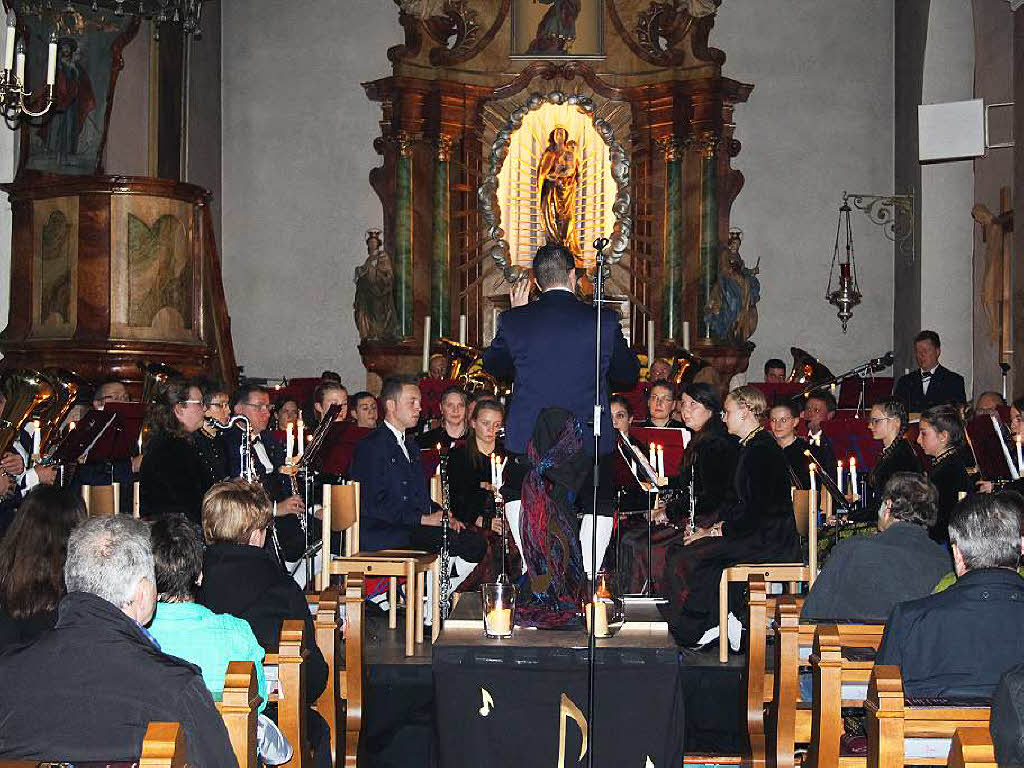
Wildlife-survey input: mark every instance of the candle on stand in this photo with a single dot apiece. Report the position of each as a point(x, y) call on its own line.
point(289, 442)
point(9, 45)
point(812, 496)
point(71, 425)
point(854, 488)
point(599, 609)
point(300, 442)
point(19, 63)
point(140, 443)
point(494, 470)
point(652, 456)
point(426, 344)
point(650, 344)
point(36, 437)
point(686, 334)
point(463, 329)
point(839, 475)
point(1020, 457)
point(661, 460)
point(51, 59)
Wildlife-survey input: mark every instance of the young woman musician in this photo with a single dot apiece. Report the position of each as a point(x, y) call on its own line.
point(888, 422)
point(942, 438)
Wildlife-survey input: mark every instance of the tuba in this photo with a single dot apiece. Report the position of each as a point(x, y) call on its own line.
point(24, 392)
point(466, 368)
point(65, 385)
point(686, 366)
point(808, 370)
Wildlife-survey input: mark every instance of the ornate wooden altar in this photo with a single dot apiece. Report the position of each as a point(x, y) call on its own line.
point(108, 272)
point(654, 90)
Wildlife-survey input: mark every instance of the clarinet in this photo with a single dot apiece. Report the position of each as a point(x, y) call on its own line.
point(446, 566)
point(693, 495)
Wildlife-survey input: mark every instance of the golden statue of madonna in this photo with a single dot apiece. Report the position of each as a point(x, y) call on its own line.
point(557, 178)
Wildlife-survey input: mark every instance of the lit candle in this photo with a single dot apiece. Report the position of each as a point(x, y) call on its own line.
point(499, 470)
point(9, 46)
point(71, 425)
point(853, 477)
point(300, 443)
point(36, 438)
point(463, 329)
point(834, 389)
point(661, 460)
point(51, 59)
point(599, 610)
point(650, 344)
point(140, 443)
point(289, 442)
point(494, 470)
point(686, 334)
point(19, 66)
point(426, 343)
point(1020, 457)
point(839, 475)
point(499, 621)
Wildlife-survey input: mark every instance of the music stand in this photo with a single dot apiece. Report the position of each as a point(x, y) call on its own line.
point(990, 448)
point(639, 465)
point(121, 440)
point(672, 439)
point(76, 442)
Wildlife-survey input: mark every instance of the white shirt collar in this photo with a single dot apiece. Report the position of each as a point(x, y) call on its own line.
point(398, 433)
point(560, 288)
point(932, 371)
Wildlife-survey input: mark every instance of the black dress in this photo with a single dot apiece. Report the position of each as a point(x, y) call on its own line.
point(898, 457)
point(796, 457)
point(757, 528)
point(949, 474)
point(173, 478)
point(714, 455)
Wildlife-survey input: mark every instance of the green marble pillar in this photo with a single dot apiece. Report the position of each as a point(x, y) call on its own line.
point(708, 230)
point(672, 298)
point(403, 237)
point(440, 298)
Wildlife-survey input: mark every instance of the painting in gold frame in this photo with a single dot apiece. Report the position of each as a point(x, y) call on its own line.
point(55, 267)
point(558, 29)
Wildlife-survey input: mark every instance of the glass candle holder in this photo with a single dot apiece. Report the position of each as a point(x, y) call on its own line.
point(499, 608)
point(603, 606)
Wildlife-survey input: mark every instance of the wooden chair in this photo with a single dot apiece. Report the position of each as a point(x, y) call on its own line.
point(239, 708)
point(163, 746)
point(105, 500)
point(805, 513)
point(972, 748)
point(892, 719)
point(291, 694)
point(759, 674)
point(341, 514)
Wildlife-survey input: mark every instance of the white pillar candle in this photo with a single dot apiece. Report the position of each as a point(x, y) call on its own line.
point(1020, 456)
point(650, 344)
point(463, 329)
point(71, 425)
point(19, 66)
point(494, 323)
point(9, 44)
point(813, 497)
point(36, 438)
point(686, 334)
point(853, 477)
point(426, 343)
point(300, 441)
point(839, 475)
point(51, 60)
point(661, 460)
point(289, 442)
point(140, 443)
point(652, 456)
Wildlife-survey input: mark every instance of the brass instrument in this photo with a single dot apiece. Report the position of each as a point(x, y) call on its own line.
point(466, 368)
point(808, 370)
point(445, 589)
point(24, 392)
point(65, 385)
point(685, 367)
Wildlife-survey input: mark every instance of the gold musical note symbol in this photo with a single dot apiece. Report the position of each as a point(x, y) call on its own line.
point(485, 710)
point(567, 708)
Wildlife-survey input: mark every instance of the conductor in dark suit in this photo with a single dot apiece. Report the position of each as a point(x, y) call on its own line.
point(550, 347)
point(931, 384)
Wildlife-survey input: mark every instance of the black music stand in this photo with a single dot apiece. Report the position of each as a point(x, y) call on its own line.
point(647, 478)
point(313, 455)
point(77, 442)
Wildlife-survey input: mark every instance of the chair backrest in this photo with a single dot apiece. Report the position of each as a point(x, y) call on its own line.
point(355, 596)
point(325, 624)
point(291, 675)
point(340, 513)
point(972, 748)
point(239, 708)
point(801, 510)
point(163, 746)
point(805, 513)
point(758, 680)
point(102, 500)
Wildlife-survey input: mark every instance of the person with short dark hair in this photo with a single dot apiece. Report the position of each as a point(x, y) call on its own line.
point(931, 384)
point(774, 371)
point(454, 426)
point(865, 576)
point(364, 410)
point(661, 401)
point(941, 437)
point(958, 643)
point(783, 420)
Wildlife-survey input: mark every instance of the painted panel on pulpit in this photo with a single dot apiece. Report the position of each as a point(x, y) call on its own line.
point(558, 28)
point(55, 267)
point(153, 277)
point(69, 139)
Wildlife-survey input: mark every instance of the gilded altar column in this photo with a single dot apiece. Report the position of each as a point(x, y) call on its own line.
point(708, 228)
point(440, 300)
point(403, 236)
point(673, 291)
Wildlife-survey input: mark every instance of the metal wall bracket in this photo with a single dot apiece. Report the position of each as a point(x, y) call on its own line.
point(893, 213)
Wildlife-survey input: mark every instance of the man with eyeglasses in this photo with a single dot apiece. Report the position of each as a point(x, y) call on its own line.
point(110, 391)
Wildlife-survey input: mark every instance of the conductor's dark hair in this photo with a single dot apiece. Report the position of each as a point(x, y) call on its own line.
point(177, 556)
point(931, 336)
point(551, 264)
point(621, 400)
point(773, 363)
point(826, 397)
point(393, 386)
point(946, 418)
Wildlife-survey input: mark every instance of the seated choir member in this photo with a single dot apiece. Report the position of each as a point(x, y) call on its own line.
point(783, 420)
point(88, 688)
point(173, 476)
point(865, 576)
point(32, 562)
point(661, 400)
point(454, 424)
point(887, 421)
point(364, 410)
point(941, 436)
point(395, 509)
point(819, 408)
point(774, 371)
point(1006, 725)
point(286, 412)
point(710, 457)
point(193, 632)
point(242, 578)
point(989, 403)
point(958, 643)
point(326, 394)
point(209, 440)
point(931, 384)
point(757, 528)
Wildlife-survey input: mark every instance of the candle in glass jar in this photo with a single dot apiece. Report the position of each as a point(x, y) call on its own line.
point(599, 609)
point(499, 621)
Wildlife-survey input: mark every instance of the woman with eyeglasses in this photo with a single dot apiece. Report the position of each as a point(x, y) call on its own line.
point(208, 439)
point(888, 423)
point(174, 476)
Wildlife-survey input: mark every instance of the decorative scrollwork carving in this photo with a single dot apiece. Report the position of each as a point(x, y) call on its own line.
point(893, 213)
point(660, 30)
point(457, 27)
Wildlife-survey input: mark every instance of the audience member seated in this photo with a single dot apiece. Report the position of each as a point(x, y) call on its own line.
point(395, 508)
point(325, 395)
point(454, 425)
point(941, 436)
point(989, 403)
point(242, 578)
point(87, 689)
point(173, 476)
point(774, 371)
point(661, 400)
point(364, 410)
point(958, 643)
point(931, 384)
point(32, 562)
point(865, 576)
point(783, 420)
point(888, 423)
point(286, 412)
point(1006, 725)
point(757, 528)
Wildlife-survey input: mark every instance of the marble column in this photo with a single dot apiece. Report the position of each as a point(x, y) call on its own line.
point(440, 296)
point(673, 278)
point(403, 236)
point(708, 229)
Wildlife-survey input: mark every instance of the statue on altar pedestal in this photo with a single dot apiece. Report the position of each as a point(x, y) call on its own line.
point(374, 304)
point(558, 175)
point(731, 313)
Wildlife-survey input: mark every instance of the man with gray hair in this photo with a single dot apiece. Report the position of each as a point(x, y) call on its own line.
point(87, 689)
point(958, 642)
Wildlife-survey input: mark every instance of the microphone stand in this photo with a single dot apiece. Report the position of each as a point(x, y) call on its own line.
point(599, 245)
point(1005, 368)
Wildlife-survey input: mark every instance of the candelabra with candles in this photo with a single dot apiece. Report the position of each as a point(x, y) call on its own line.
point(14, 94)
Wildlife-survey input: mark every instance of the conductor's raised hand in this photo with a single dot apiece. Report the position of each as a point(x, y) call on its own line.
point(519, 293)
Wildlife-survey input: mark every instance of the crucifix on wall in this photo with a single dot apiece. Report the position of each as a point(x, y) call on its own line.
point(996, 288)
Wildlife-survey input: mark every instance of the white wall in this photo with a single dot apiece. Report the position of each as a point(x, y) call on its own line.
point(947, 194)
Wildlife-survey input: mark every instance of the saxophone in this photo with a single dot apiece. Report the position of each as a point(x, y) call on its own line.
point(446, 565)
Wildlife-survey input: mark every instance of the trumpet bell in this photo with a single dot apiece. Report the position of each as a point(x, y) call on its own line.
point(466, 368)
point(807, 369)
point(24, 391)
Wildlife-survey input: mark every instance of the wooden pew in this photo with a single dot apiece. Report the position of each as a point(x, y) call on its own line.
point(787, 721)
point(972, 748)
point(325, 625)
point(350, 684)
point(291, 696)
point(759, 678)
point(891, 719)
point(163, 746)
point(239, 708)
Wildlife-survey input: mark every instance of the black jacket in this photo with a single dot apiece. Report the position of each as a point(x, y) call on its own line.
point(865, 576)
point(247, 582)
point(1007, 722)
point(468, 500)
point(949, 474)
point(898, 457)
point(25, 630)
point(173, 478)
point(958, 643)
point(944, 387)
point(86, 691)
point(715, 456)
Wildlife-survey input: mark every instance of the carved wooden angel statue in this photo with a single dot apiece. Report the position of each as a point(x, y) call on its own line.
point(375, 301)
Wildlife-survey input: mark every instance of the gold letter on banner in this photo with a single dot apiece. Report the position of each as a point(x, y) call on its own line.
point(566, 710)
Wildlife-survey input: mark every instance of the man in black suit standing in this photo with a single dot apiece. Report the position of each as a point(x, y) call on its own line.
point(550, 347)
point(931, 384)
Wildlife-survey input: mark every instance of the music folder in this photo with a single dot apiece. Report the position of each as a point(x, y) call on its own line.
point(312, 455)
point(121, 439)
point(76, 442)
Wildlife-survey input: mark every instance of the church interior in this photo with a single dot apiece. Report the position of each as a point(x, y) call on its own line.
point(229, 219)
